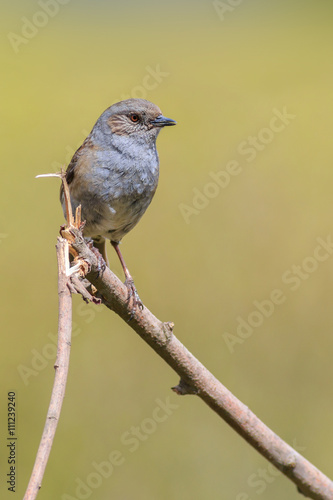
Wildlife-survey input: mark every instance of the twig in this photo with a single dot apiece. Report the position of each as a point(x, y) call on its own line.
point(61, 371)
point(68, 283)
point(196, 379)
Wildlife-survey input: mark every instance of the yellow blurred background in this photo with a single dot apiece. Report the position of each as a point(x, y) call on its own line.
point(242, 215)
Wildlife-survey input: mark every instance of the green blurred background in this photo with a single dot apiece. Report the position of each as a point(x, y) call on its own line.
point(220, 68)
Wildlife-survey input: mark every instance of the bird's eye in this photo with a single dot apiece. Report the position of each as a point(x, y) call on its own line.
point(134, 117)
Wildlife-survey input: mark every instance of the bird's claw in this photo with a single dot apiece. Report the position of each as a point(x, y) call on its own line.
point(132, 294)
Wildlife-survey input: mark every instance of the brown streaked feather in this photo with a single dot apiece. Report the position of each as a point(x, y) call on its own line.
point(71, 167)
point(70, 171)
point(118, 124)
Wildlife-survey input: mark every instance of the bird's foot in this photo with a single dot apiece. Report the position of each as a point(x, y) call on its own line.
point(132, 297)
point(101, 264)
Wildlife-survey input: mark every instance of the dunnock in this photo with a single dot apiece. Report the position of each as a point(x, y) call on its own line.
point(114, 175)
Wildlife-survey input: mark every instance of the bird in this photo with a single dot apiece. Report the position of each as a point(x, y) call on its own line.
point(114, 175)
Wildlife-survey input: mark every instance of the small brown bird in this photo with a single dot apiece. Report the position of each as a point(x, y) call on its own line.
point(114, 175)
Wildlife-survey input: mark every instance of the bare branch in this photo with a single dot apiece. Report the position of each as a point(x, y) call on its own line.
point(68, 283)
point(61, 371)
point(196, 379)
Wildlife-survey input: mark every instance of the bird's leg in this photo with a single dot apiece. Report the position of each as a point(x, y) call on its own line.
point(99, 243)
point(97, 246)
point(129, 282)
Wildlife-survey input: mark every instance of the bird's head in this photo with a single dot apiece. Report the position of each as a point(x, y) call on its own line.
point(137, 118)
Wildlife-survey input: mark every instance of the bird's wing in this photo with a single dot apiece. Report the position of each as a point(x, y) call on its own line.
point(70, 172)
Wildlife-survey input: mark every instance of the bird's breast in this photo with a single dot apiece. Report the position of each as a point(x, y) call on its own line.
point(124, 177)
point(114, 182)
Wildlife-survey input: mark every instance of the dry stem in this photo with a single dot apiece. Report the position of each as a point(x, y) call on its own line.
point(61, 371)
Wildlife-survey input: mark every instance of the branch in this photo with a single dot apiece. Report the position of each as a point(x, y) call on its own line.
point(61, 371)
point(68, 283)
point(196, 379)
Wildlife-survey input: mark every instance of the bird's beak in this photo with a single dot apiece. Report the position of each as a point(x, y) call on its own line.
point(162, 121)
